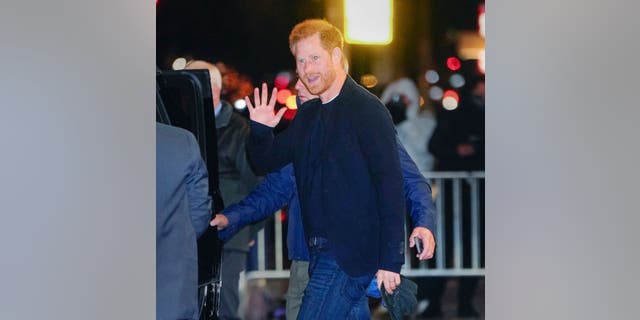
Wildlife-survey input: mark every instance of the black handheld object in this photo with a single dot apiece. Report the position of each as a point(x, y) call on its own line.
point(403, 299)
point(418, 242)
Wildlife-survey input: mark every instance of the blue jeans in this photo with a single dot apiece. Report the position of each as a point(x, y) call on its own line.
point(331, 293)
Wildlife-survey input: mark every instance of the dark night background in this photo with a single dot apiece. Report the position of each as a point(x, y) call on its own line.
point(252, 35)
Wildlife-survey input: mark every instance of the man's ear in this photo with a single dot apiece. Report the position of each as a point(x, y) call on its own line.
point(336, 56)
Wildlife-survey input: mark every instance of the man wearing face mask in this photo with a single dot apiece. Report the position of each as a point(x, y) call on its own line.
point(414, 126)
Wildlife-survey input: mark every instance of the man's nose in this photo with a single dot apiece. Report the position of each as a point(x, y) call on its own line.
point(307, 67)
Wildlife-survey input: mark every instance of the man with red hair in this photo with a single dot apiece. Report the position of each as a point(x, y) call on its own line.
point(344, 152)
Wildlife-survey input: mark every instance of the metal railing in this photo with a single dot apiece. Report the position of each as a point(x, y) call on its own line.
point(458, 198)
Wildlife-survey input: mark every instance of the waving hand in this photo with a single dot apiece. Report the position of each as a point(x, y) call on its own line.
point(263, 110)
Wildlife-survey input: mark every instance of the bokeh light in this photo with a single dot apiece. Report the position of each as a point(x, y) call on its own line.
point(453, 63)
point(369, 80)
point(282, 80)
point(179, 63)
point(371, 26)
point(435, 93)
point(456, 80)
point(481, 61)
point(283, 95)
point(451, 93)
point(481, 11)
point(290, 114)
point(450, 100)
point(450, 103)
point(240, 104)
point(291, 102)
point(432, 76)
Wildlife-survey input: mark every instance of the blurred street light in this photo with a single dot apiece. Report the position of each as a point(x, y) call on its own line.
point(481, 20)
point(282, 80)
point(179, 63)
point(481, 61)
point(291, 102)
point(435, 93)
point(450, 100)
point(432, 76)
point(456, 80)
point(240, 104)
point(369, 80)
point(283, 95)
point(453, 63)
point(368, 21)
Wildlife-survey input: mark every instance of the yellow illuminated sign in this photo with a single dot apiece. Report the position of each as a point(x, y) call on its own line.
point(368, 21)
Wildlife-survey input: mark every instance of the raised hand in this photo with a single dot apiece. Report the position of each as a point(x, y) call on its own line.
point(263, 110)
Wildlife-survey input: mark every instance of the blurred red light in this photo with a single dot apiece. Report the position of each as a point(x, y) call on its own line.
point(453, 63)
point(281, 82)
point(290, 114)
point(452, 94)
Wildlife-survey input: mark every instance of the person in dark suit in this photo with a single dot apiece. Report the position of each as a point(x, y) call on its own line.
point(183, 209)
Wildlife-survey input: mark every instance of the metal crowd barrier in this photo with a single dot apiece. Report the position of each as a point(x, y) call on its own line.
point(450, 216)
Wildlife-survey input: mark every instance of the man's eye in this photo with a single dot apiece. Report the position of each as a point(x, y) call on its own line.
point(315, 58)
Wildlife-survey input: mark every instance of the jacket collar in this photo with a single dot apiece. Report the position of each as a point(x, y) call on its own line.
point(222, 120)
point(347, 90)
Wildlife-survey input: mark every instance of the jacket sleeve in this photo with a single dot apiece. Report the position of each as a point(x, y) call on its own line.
point(270, 195)
point(197, 185)
point(417, 192)
point(266, 152)
point(377, 141)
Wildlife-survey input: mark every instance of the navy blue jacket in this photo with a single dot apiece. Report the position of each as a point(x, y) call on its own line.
point(183, 210)
point(349, 178)
point(279, 189)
